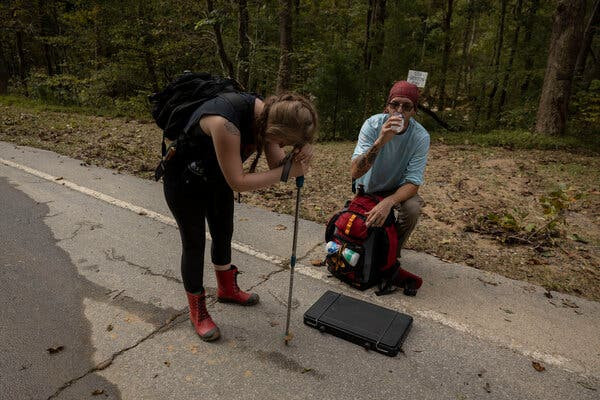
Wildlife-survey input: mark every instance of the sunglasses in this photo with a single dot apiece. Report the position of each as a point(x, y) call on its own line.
point(406, 106)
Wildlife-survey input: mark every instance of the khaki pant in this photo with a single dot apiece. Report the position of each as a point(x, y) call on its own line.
point(407, 215)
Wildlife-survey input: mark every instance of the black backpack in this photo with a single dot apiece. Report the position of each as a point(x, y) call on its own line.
point(173, 106)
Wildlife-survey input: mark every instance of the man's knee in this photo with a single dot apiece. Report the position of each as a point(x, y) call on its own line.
point(411, 208)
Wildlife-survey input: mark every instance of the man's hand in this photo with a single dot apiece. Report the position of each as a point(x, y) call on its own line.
point(387, 130)
point(378, 214)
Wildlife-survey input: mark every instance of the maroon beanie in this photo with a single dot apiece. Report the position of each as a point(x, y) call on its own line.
point(404, 89)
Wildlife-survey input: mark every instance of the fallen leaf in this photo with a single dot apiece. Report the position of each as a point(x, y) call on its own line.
point(280, 227)
point(569, 304)
point(486, 387)
point(54, 350)
point(587, 385)
point(97, 392)
point(317, 263)
point(288, 337)
point(487, 282)
point(578, 238)
point(248, 374)
point(537, 366)
point(104, 364)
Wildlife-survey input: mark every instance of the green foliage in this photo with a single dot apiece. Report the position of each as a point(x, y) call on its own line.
point(514, 228)
point(337, 88)
point(586, 105)
point(111, 54)
point(519, 139)
point(58, 89)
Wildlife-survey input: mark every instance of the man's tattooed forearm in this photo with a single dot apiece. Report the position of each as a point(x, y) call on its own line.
point(232, 129)
point(366, 161)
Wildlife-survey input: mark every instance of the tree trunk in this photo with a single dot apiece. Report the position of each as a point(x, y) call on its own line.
point(226, 63)
point(465, 52)
point(366, 52)
point(44, 32)
point(4, 72)
point(243, 63)
point(22, 62)
point(565, 43)
point(445, 56)
point(151, 71)
point(375, 31)
point(590, 30)
point(527, 39)
point(511, 57)
point(497, 55)
point(285, 45)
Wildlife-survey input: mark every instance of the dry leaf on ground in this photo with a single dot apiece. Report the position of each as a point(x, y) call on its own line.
point(537, 366)
point(54, 350)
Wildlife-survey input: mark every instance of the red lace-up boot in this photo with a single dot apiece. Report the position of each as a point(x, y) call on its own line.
point(229, 291)
point(201, 320)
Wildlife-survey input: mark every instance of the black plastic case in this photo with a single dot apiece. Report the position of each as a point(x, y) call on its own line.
point(368, 325)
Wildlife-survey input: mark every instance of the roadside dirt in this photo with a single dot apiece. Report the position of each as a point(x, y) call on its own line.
point(484, 206)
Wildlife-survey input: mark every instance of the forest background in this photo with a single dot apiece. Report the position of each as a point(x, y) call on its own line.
point(486, 59)
point(512, 103)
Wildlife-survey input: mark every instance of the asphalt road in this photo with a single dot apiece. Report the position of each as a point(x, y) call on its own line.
point(93, 307)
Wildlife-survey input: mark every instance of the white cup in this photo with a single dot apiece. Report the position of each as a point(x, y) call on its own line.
point(398, 126)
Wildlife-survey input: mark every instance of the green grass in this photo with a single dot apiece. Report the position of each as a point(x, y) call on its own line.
point(520, 139)
point(517, 139)
point(38, 105)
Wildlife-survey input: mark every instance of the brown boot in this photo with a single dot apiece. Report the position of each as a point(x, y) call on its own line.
point(201, 320)
point(229, 291)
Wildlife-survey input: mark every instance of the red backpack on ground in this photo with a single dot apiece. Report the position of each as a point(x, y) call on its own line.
point(376, 248)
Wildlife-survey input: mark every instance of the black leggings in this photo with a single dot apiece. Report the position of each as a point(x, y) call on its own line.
point(191, 200)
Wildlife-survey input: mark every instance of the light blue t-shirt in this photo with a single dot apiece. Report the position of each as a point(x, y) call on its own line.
point(401, 160)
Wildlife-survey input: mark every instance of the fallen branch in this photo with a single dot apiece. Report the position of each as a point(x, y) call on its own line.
point(437, 119)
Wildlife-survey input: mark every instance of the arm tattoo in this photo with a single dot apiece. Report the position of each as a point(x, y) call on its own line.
point(365, 162)
point(232, 129)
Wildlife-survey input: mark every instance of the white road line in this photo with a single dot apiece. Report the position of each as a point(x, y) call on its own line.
point(319, 274)
point(241, 247)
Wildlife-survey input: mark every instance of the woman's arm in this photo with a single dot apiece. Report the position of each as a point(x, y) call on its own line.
point(274, 154)
point(227, 140)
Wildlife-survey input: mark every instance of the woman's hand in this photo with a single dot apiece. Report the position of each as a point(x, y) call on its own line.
point(304, 154)
point(298, 168)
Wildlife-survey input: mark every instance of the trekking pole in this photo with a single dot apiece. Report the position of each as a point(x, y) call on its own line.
point(288, 335)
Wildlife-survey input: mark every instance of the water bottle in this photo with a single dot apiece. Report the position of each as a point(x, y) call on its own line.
point(398, 126)
point(332, 247)
point(350, 256)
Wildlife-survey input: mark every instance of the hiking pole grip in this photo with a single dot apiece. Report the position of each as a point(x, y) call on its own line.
point(299, 181)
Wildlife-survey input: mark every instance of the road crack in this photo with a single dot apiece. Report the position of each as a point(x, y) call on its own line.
point(266, 278)
point(170, 323)
point(111, 255)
